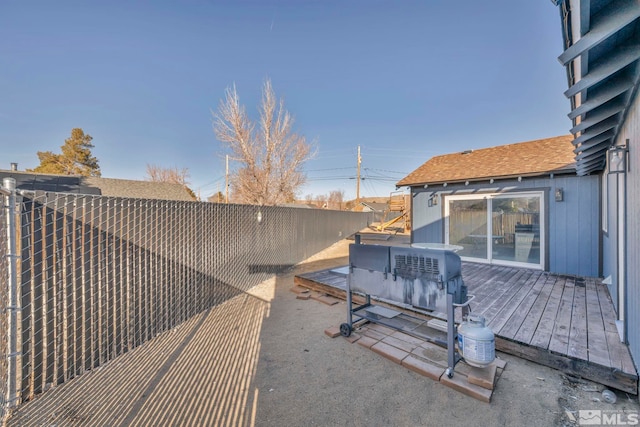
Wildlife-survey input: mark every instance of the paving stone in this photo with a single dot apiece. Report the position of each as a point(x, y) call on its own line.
point(372, 333)
point(333, 331)
point(325, 299)
point(432, 353)
point(460, 383)
point(353, 337)
point(402, 345)
point(407, 338)
point(500, 363)
point(463, 368)
point(381, 328)
point(484, 377)
point(499, 370)
point(423, 368)
point(367, 342)
point(390, 352)
point(303, 296)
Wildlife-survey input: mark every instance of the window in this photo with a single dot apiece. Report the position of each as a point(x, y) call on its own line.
point(497, 228)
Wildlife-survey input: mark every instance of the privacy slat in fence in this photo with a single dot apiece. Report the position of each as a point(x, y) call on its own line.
point(100, 276)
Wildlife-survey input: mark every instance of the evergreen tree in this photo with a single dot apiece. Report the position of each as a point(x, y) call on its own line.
point(75, 159)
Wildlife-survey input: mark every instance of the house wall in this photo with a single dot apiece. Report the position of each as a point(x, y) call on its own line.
point(631, 131)
point(572, 226)
point(427, 224)
point(609, 234)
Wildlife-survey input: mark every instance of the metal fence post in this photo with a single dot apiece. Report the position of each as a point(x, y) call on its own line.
point(9, 185)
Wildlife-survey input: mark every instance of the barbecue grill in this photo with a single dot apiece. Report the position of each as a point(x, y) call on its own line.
point(416, 278)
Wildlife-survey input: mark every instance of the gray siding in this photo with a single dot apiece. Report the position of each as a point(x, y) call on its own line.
point(631, 131)
point(610, 238)
point(573, 226)
point(426, 222)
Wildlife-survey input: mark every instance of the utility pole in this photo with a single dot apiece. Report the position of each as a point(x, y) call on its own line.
point(358, 179)
point(226, 181)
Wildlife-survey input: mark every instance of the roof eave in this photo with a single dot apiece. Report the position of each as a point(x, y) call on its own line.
point(601, 83)
point(562, 171)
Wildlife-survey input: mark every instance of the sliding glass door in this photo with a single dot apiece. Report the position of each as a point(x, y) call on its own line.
point(497, 228)
point(468, 226)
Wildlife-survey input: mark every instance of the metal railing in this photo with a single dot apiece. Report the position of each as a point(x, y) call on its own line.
point(98, 276)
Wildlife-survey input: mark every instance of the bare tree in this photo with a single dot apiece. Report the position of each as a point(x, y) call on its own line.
point(335, 199)
point(216, 198)
point(172, 175)
point(321, 201)
point(271, 157)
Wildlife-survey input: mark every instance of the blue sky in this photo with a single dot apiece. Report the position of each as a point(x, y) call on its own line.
point(404, 80)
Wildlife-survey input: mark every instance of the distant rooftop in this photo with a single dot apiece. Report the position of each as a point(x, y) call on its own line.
point(532, 158)
point(97, 186)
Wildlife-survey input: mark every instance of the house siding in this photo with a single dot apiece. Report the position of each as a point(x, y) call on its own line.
point(572, 226)
point(631, 131)
point(426, 221)
point(610, 236)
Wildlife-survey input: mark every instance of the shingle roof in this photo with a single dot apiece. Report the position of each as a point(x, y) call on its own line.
point(539, 157)
point(139, 189)
point(54, 183)
point(97, 186)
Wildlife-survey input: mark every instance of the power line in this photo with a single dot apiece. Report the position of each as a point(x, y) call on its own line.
point(210, 183)
point(384, 170)
point(400, 150)
point(328, 169)
point(330, 178)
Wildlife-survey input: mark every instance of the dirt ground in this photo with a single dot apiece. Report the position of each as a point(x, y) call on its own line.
point(263, 359)
point(307, 378)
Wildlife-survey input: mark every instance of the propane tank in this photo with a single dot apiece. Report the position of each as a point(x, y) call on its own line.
point(476, 342)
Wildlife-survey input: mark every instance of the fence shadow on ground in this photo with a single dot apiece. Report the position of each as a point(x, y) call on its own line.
point(199, 373)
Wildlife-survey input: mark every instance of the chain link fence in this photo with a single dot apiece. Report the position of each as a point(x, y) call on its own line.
point(99, 276)
point(4, 303)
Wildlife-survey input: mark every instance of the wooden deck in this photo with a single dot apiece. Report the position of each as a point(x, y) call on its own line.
point(564, 322)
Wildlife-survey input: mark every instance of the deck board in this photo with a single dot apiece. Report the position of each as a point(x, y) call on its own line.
point(616, 358)
point(489, 289)
point(606, 307)
point(498, 304)
point(510, 329)
point(578, 331)
point(597, 340)
point(564, 322)
point(528, 328)
point(501, 291)
point(560, 336)
point(501, 318)
point(542, 336)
